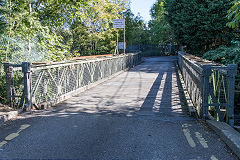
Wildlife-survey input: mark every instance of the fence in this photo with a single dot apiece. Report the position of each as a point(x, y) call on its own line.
point(154, 50)
point(210, 85)
point(33, 85)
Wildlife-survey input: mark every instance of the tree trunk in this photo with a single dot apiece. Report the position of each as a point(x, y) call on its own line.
point(29, 36)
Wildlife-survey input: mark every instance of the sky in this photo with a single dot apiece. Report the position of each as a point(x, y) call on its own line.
point(143, 7)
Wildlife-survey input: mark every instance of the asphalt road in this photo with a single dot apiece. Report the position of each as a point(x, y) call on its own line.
point(136, 115)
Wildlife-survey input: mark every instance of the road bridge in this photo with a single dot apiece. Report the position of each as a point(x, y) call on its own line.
point(138, 114)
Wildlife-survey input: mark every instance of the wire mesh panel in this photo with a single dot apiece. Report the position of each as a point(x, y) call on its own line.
point(210, 86)
point(37, 84)
point(192, 78)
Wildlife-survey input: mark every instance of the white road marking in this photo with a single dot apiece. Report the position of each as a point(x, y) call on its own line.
point(189, 138)
point(3, 143)
point(11, 136)
point(25, 126)
point(14, 135)
point(213, 157)
point(201, 140)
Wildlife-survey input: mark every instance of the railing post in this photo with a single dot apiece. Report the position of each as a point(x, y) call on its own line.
point(9, 78)
point(26, 69)
point(232, 71)
point(205, 89)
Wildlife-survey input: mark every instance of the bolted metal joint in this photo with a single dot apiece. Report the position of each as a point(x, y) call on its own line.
point(232, 70)
point(26, 67)
point(8, 68)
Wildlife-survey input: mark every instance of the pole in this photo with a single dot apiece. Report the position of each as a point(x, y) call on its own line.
point(26, 69)
point(232, 71)
point(124, 40)
point(117, 42)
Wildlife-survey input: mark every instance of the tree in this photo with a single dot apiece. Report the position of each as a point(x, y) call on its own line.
point(234, 14)
point(43, 30)
point(26, 38)
point(200, 25)
point(137, 32)
point(159, 27)
point(93, 34)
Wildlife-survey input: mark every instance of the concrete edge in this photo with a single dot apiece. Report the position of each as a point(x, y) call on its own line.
point(230, 136)
point(192, 112)
point(9, 116)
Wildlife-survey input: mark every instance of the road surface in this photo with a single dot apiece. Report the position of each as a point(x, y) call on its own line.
point(136, 115)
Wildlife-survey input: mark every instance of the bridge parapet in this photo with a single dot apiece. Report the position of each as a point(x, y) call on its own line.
point(48, 84)
point(210, 86)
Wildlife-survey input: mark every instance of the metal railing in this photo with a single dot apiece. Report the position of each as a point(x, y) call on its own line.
point(154, 50)
point(210, 86)
point(33, 85)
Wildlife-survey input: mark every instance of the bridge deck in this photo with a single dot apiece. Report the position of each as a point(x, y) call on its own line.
point(136, 115)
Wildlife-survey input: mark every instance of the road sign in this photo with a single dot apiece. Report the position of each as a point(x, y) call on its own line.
point(121, 45)
point(118, 23)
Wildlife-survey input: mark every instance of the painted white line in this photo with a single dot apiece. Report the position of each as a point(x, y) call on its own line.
point(25, 126)
point(201, 140)
point(189, 138)
point(213, 157)
point(3, 143)
point(14, 135)
point(11, 136)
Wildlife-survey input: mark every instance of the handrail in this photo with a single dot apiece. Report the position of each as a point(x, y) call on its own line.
point(210, 86)
point(52, 83)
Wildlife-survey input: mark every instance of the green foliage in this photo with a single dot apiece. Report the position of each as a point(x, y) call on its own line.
point(43, 30)
point(2, 20)
point(136, 30)
point(225, 55)
point(159, 27)
point(234, 14)
point(26, 36)
point(199, 25)
point(90, 28)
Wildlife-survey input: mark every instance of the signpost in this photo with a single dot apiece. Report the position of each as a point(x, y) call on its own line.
point(119, 23)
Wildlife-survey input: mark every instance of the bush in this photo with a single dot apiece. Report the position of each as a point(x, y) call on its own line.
point(224, 55)
point(227, 55)
point(199, 25)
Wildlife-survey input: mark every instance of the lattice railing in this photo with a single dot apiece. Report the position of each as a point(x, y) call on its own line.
point(210, 86)
point(53, 83)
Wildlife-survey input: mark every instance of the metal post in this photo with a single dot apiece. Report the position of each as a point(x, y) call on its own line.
point(232, 71)
point(9, 75)
point(124, 40)
point(205, 90)
point(26, 69)
point(117, 42)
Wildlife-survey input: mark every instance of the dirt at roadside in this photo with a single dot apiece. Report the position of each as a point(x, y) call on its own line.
point(5, 108)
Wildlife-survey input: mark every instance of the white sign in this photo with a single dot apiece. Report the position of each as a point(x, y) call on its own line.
point(118, 23)
point(121, 45)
